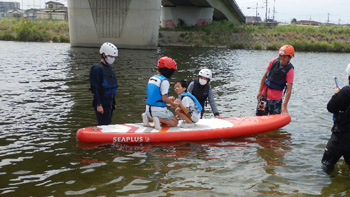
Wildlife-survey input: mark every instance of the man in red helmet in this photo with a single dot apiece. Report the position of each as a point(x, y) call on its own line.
point(157, 95)
point(279, 76)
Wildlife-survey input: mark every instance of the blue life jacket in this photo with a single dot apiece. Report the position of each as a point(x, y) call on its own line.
point(154, 96)
point(109, 85)
point(276, 76)
point(197, 105)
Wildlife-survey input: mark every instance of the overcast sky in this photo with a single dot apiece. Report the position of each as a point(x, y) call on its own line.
point(336, 11)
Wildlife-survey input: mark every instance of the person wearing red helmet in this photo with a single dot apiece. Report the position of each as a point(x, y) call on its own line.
point(279, 76)
point(157, 95)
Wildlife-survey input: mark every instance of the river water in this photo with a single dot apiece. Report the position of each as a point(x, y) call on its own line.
point(44, 100)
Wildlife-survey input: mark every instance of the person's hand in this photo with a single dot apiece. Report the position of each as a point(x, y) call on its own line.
point(114, 107)
point(171, 98)
point(177, 102)
point(336, 89)
point(100, 109)
point(258, 97)
point(218, 117)
point(284, 110)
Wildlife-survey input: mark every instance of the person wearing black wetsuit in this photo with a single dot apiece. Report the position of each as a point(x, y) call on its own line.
point(339, 143)
point(104, 84)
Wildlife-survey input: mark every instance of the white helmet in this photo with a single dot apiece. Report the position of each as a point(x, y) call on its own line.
point(205, 73)
point(109, 49)
point(348, 70)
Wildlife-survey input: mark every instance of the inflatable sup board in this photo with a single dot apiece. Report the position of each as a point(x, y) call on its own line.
point(204, 129)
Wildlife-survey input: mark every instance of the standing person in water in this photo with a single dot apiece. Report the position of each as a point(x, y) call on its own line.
point(104, 84)
point(278, 76)
point(157, 95)
point(339, 143)
point(200, 88)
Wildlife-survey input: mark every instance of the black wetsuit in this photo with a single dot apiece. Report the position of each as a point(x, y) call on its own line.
point(103, 84)
point(339, 143)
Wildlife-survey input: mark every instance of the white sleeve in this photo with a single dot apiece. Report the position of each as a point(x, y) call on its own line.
point(164, 87)
point(186, 101)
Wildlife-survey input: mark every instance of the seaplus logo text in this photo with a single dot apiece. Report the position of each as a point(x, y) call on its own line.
point(128, 139)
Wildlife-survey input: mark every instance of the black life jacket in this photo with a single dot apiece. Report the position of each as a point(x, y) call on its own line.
point(200, 92)
point(276, 76)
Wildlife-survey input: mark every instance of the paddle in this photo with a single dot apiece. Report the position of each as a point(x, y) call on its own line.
point(337, 82)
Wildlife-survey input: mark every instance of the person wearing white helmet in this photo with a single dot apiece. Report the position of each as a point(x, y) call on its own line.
point(339, 143)
point(200, 88)
point(104, 84)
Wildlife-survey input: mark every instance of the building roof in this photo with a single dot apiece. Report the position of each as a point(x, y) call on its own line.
point(54, 2)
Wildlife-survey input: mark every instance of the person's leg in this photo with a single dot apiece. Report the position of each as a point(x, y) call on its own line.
point(182, 115)
point(331, 155)
point(106, 117)
point(165, 117)
point(171, 123)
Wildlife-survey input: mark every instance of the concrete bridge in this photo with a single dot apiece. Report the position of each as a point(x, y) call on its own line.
point(135, 23)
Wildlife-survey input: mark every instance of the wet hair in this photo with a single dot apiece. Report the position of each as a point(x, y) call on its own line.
point(166, 72)
point(183, 84)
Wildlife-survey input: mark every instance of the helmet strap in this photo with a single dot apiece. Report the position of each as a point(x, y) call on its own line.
point(104, 58)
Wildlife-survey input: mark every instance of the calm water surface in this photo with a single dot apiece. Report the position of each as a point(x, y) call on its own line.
point(44, 100)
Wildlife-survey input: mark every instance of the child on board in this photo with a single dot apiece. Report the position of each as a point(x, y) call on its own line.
point(157, 96)
point(188, 108)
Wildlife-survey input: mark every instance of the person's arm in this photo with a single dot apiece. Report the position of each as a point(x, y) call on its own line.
point(335, 103)
point(95, 80)
point(190, 87)
point(184, 105)
point(286, 98)
point(168, 100)
point(212, 103)
point(262, 82)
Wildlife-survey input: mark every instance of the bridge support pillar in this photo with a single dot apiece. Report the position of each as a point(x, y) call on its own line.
point(125, 23)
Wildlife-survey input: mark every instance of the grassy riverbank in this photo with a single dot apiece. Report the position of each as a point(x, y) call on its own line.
point(223, 34)
point(261, 37)
point(34, 30)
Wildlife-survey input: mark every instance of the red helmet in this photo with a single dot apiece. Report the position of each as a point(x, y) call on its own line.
point(166, 62)
point(287, 50)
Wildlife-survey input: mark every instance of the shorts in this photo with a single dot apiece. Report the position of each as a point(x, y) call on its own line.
point(274, 106)
point(164, 113)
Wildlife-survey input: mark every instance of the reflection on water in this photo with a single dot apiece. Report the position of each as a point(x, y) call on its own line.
point(45, 99)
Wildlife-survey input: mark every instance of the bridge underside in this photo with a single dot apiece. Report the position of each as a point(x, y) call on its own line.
point(223, 9)
point(135, 23)
point(126, 23)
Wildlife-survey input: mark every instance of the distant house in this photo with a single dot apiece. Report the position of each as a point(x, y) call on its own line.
point(53, 11)
point(14, 13)
point(253, 20)
point(308, 22)
point(52, 5)
point(31, 13)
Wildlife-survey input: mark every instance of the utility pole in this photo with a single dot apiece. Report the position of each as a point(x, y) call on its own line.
point(256, 10)
point(266, 12)
point(328, 18)
point(274, 10)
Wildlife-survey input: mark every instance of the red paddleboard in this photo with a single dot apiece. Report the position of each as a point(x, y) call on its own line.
point(204, 129)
